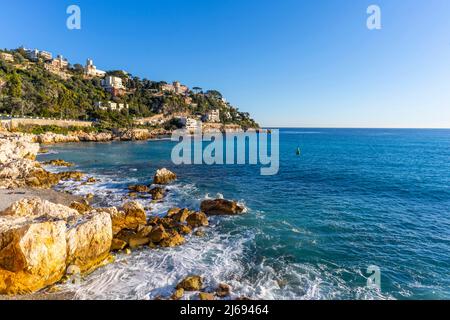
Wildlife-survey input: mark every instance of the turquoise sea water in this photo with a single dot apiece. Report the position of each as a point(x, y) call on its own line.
point(354, 198)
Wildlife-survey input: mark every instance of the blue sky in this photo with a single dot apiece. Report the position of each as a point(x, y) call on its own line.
point(288, 62)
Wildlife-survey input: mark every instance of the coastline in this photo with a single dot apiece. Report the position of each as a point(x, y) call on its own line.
point(133, 226)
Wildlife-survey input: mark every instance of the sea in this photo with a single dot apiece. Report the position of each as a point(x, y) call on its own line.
point(359, 214)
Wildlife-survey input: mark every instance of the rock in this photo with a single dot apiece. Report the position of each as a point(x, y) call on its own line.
point(17, 160)
point(144, 231)
point(139, 188)
point(223, 290)
point(89, 196)
point(205, 296)
point(181, 216)
point(178, 294)
point(173, 240)
point(138, 241)
point(43, 151)
point(40, 178)
point(89, 241)
point(32, 254)
point(134, 134)
point(59, 163)
point(38, 208)
point(199, 233)
point(153, 221)
point(221, 207)
point(117, 244)
point(164, 176)
point(131, 217)
point(81, 207)
point(91, 180)
point(51, 138)
point(157, 193)
point(158, 234)
point(183, 229)
point(71, 175)
point(197, 219)
point(172, 212)
point(191, 283)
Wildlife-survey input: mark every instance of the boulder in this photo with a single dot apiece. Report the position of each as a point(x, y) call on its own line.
point(32, 254)
point(199, 233)
point(130, 217)
point(157, 193)
point(223, 290)
point(178, 294)
point(205, 296)
point(158, 234)
point(183, 229)
point(89, 241)
point(181, 216)
point(91, 180)
point(221, 207)
point(136, 241)
point(173, 240)
point(134, 134)
point(118, 244)
point(37, 208)
point(172, 211)
point(70, 175)
point(191, 283)
point(139, 188)
point(81, 207)
point(197, 219)
point(59, 163)
point(164, 176)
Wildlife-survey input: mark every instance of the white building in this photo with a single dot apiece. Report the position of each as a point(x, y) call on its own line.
point(190, 124)
point(113, 106)
point(212, 116)
point(91, 70)
point(111, 82)
point(35, 54)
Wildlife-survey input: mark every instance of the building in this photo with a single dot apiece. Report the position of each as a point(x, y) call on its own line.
point(91, 70)
point(7, 56)
point(58, 64)
point(35, 54)
point(158, 119)
point(190, 124)
point(113, 106)
point(212, 116)
point(114, 85)
point(179, 88)
point(176, 87)
point(167, 87)
point(58, 67)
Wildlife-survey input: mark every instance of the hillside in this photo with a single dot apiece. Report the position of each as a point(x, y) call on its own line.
point(33, 84)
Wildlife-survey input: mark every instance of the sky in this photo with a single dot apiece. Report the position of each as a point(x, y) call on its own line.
point(290, 63)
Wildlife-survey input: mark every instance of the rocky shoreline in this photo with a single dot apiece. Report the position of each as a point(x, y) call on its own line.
point(43, 243)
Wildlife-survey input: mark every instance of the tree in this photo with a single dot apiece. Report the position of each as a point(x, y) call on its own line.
point(197, 89)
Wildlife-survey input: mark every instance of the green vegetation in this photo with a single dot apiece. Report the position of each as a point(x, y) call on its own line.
point(28, 89)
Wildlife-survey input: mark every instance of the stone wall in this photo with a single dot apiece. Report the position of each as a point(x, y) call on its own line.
point(15, 122)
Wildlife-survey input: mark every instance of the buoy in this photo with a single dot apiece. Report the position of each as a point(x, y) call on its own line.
point(298, 151)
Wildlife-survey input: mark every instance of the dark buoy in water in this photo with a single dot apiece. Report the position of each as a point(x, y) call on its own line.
point(299, 152)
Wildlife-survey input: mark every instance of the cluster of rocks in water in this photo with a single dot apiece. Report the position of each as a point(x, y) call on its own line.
point(42, 243)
